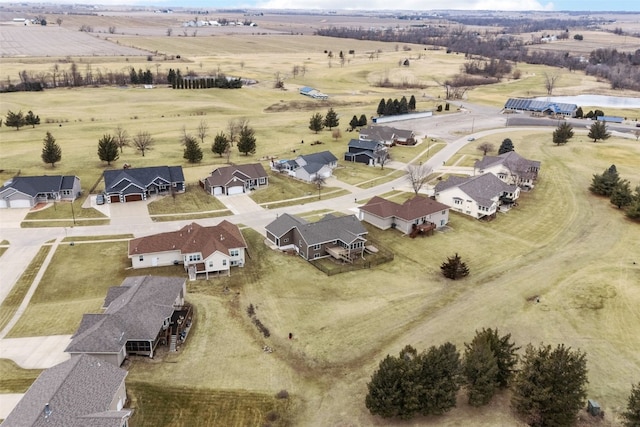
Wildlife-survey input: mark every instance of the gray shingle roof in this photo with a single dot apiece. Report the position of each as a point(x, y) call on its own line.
point(34, 185)
point(480, 188)
point(79, 392)
point(512, 161)
point(118, 179)
point(345, 228)
point(223, 176)
point(136, 314)
point(363, 144)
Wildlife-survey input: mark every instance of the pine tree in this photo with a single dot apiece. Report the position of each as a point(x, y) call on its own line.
point(192, 150)
point(598, 130)
point(633, 210)
point(386, 394)
point(32, 119)
point(480, 371)
point(14, 120)
point(439, 379)
point(382, 106)
point(331, 119)
point(454, 268)
point(220, 144)
point(631, 415)
point(51, 152)
point(108, 149)
point(506, 146)
point(316, 122)
point(412, 103)
point(362, 121)
point(579, 113)
point(563, 133)
point(550, 388)
point(390, 108)
point(621, 196)
point(603, 185)
point(247, 140)
point(403, 106)
point(353, 123)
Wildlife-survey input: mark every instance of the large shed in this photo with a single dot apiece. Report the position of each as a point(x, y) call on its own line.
point(543, 107)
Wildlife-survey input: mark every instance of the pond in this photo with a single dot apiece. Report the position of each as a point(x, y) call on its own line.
point(595, 100)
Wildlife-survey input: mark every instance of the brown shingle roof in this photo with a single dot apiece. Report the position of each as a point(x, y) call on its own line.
point(224, 175)
point(191, 238)
point(410, 210)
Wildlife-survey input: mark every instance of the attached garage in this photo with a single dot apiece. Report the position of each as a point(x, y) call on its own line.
point(3, 204)
point(114, 199)
point(133, 197)
point(217, 191)
point(19, 203)
point(238, 189)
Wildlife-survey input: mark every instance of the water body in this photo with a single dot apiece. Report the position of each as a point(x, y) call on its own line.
point(595, 100)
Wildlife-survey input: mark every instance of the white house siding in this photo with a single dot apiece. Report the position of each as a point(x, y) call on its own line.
point(156, 259)
point(217, 262)
point(237, 260)
point(467, 205)
point(381, 223)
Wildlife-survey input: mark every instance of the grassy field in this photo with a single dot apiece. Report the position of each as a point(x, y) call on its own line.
point(573, 250)
point(14, 379)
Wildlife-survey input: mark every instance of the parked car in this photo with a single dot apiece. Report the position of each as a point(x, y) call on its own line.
point(471, 138)
point(100, 199)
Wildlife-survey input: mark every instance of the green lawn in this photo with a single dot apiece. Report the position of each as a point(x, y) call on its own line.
point(194, 200)
point(64, 214)
point(98, 238)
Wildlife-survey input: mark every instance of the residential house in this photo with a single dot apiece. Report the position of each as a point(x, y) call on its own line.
point(28, 191)
point(387, 135)
point(419, 211)
point(140, 314)
point(202, 250)
point(129, 185)
point(307, 167)
point(511, 168)
point(363, 151)
point(342, 237)
point(82, 391)
point(478, 196)
point(229, 180)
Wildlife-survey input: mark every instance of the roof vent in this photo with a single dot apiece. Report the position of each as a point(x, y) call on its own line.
point(221, 237)
point(47, 410)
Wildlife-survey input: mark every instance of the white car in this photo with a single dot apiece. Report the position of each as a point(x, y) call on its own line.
point(471, 138)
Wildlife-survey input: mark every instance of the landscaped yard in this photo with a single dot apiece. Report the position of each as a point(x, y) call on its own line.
point(194, 203)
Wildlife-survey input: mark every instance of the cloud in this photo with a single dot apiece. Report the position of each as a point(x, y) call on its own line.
point(415, 5)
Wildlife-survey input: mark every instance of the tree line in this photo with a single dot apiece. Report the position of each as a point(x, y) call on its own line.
point(548, 384)
point(619, 68)
point(618, 190)
point(392, 107)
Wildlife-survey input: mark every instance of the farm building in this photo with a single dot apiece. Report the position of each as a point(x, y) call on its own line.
point(313, 93)
point(541, 107)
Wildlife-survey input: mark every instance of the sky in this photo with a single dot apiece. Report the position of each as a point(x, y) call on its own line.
point(421, 5)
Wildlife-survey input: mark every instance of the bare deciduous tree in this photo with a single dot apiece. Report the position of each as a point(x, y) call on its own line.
point(550, 81)
point(319, 181)
point(203, 130)
point(169, 32)
point(636, 133)
point(336, 134)
point(143, 142)
point(382, 156)
point(234, 126)
point(417, 175)
point(121, 137)
point(486, 147)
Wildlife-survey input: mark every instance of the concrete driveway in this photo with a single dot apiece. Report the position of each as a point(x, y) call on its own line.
point(36, 352)
point(12, 217)
point(8, 402)
point(130, 213)
point(240, 203)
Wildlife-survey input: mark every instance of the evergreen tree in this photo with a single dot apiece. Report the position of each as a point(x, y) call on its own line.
point(247, 140)
point(633, 210)
point(621, 196)
point(505, 352)
point(598, 130)
point(389, 108)
point(579, 113)
point(382, 106)
point(386, 396)
point(480, 371)
point(506, 146)
point(220, 144)
point(331, 119)
point(353, 123)
point(192, 150)
point(454, 268)
point(316, 123)
point(31, 119)
point(412, 103)
point(403, 106)
point(108, 149)
point(550, 388)
point(439, 379)
point(51, 152)
point(631, 415)
point(14, 120)
point(362, 121)
point(563, 133)
point(603, 185)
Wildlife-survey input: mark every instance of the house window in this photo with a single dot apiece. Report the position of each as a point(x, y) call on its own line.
point(285, 240)
point(141, 258)
point(210, 264)
point(195, 257)
point(234, 252)
point(300, 243)
point(262, 180)
point(457, 201)
point(316, 247)
point(444, 212)
point(224, 262)
point(316, 255)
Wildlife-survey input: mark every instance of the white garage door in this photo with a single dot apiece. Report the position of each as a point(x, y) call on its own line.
point(235, 190)
point(217, 191)
point(3, 203)
point(20, 203)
